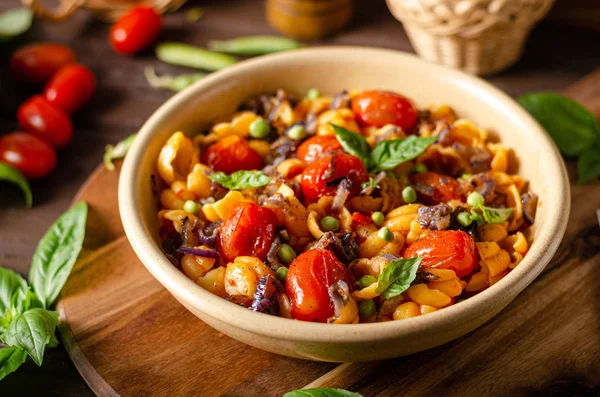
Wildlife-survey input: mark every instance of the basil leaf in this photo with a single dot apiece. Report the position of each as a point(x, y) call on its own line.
point(391, 153)
point(570, 125)
point(324, 392)
point(11, 358)
point(240, 179)
point(477, 218)
point(354, 144)
point(13, 293)
point(56, 254)
point(588, 166)
point(14, 22)
point(495, 215)
point(169, 82)
point(117, 152)
point(32, 331)
point(397, 276)
point(11, 174)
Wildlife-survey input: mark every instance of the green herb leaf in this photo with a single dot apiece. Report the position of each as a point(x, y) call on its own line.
point(397, 276)
point(477, 218)
point(11, 174)
point(169, 82)
point(588, 166)
point(254, 45)
point(56, 254)
point(194, 57)
point(32, 331)
point(117, 152)
point(354, 144)
point(571, 126)
point(14, 22)
point(495, 215)
point(240, 179)
point(11, 358)
point(391, 153)
point(323, 392)
point(13, 293)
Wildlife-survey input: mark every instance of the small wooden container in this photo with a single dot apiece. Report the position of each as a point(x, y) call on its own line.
point(309, 19)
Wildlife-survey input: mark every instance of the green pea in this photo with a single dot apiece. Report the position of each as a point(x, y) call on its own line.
point(281, 274)
point(297, 132)
point(313, 93)
point(385, 234)
point(366, 308)
point(419, 168)
point(259, 128)
point(464, 218)
point(378, 218)
point(475, 199)
point(286, 254)
point(190, 206)
point(409, 195)
point(365, 281)
point(465, 176)
point(330, 224)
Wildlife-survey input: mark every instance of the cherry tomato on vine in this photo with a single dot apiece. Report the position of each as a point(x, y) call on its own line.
point(31, 155)
point(445, 188)
point(231, 154)
point(314, 147)
point(135, 30)
point(37, 63)
point(307, 284)
point(71, 87)
point(248, 231)
point(378, 108)
point(445, 249)
point(41, 118)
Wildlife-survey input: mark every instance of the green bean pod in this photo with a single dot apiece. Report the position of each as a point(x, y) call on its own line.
point(194, 57)
point(254, 45)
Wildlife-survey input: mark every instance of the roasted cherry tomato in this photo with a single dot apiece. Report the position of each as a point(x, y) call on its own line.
point(31, 155)
point(248, 231)
point(307, 284)
point(71, 87)
point(314, 147)
point(446, 249)
point(443, 188)
point(378, 108)
point(45, 120)
point(135, 30)
point(37, 63)
point(232, 154)
point(360, 219)
point(322, 177)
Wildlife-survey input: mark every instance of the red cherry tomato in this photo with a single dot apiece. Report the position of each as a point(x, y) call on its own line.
point(135, 30)
point(378, 108)
point(232, 154)
point(248, 231)
point(45, 120)
point(37, 63)
point(445, 188)
point(319, 180)
point(71, 87)
point(360, 219)
point(314, 147)
point(307, 284)
point(31, 155)
point(446, 249)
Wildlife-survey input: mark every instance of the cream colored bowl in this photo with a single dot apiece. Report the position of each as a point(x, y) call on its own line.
point(331, 70)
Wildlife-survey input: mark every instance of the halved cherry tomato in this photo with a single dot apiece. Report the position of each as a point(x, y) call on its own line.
point(321, 177)
point(307, 284)
point(445, 188)
point(71, 87)
point(31, 155)
point(231, 154)
point(45, 120)
point(360, 219)
point(37, 63)
point(446, 249)
point(248, 231)
point(135, 30)
point(378, 108)
point(314, 147)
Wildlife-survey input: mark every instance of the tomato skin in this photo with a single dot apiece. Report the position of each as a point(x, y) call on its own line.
point(445, 187)
point(41, 118)
point(360, 219)
point(232, 154)
point(37, 63)
point(71, 87)
point(445, 249)
point(314, 147)
point(307, 284)
point(248, 231)
point(379, 108)
point(135, 30)
point(346, 165)
point(31, 155)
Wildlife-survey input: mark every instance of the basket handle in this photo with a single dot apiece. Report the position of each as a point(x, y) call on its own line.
point(58, 14)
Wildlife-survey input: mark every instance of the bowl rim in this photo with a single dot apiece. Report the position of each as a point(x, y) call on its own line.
point(277, 327)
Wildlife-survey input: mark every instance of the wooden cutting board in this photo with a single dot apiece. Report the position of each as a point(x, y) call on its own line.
point(127, 336)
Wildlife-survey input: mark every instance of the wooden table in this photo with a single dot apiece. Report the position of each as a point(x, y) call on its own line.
point(556, 56)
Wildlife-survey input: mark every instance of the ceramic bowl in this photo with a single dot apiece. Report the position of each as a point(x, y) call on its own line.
point(331, 70)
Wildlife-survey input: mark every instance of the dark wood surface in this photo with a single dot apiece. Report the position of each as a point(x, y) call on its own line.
point(556, 56)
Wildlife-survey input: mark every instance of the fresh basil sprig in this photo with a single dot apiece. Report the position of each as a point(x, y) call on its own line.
point(397, 276)
point(322, 392)
point(117, 152)
point(386, 155)
point(240, 179)
point(11, 174)
point(13, 294)
point(31, 331)
point(11, 358)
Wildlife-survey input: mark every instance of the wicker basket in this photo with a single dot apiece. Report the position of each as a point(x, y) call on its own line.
point(478, 36)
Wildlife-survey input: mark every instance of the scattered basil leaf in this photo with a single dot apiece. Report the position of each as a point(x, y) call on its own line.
point(13, 292)
point(477, 218)
point(354, 144)
point(391, 153)
point(169, 82)
point(240, 179)
point(495, 215)
point(370, 183)
point(254, 45)
point(14, 22)
point(323, 392)
point(56, 254)
point(588, 165)
point(11, 174)
point(117, 152)
point(194, 57)
point(397, 276)
point(11, 358)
